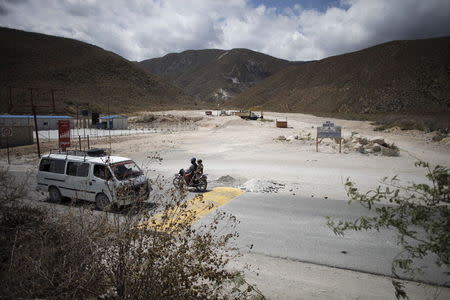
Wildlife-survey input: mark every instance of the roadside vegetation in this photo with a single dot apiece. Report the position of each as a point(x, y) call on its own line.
point(148, 117)
point(419, 213)
point(424, 123)
point(83, 254)
point(427, 123)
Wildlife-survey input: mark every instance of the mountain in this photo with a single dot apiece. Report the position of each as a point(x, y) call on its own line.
point(83, 75)
point(214, 75)
point(396, 77)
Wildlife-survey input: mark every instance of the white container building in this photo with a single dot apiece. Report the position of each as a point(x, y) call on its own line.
point(114, 122)
point(43, 122)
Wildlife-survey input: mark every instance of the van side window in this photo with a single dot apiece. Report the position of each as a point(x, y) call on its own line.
point(45, 165)
point(102, 172)
point(78, 169)
point(52, 165)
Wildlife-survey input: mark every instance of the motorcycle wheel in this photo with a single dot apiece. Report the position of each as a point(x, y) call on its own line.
point(178, 182)
point(202, 185)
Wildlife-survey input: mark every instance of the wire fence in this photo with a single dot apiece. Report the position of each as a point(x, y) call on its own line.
point(94, 133)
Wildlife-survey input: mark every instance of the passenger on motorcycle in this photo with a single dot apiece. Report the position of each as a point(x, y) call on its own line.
point(199, 171)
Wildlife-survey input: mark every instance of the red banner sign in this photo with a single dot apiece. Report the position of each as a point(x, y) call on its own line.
point(64, 134)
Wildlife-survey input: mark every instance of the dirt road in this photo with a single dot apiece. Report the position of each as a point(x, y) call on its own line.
point(260, 158)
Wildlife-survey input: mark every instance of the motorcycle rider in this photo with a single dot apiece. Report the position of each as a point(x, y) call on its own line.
point(190, 172)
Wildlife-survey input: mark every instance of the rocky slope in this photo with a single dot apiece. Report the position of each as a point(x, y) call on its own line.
point(214, 75)
point(86, 74)
point(396, 77)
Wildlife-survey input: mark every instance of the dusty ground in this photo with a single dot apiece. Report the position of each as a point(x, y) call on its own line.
point(249, 154)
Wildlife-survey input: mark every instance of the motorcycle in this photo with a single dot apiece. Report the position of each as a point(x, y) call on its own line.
point(181, 180)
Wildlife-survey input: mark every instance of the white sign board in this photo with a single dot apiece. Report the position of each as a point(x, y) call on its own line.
point(328, 130)
point(6, 131)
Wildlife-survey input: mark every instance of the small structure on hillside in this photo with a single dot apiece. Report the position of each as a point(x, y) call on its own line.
point(114, 122)
point(43, 122)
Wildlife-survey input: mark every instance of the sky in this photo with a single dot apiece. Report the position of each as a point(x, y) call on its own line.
point(290, 29)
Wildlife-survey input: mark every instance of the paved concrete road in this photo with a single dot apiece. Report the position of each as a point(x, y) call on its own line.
point(281, 225)
point(293, 227)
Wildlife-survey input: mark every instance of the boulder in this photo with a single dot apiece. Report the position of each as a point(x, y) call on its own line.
point(376, 147)
point(363, 141)
point(377, 140)
point(359, 148)
point(394, 151)
point(290, 138)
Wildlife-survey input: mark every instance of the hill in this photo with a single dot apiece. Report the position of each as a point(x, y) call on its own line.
point(87, 74)
point(396, 77)
point(214, 75)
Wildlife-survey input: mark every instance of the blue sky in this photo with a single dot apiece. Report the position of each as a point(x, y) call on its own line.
point(294, 30)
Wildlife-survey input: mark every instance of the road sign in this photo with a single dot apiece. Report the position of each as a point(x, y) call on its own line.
point(327, 131)
point(7, 131)
point(64, 134)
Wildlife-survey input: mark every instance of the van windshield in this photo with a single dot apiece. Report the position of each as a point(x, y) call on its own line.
point(126, 170)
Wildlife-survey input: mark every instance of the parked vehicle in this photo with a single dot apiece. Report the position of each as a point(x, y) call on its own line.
point(199, 182)
point(250, 113)
point(93, 176)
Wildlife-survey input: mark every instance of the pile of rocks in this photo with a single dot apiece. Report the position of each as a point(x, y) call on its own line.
point(262, 186)
point(289, 138)
point(373, 145)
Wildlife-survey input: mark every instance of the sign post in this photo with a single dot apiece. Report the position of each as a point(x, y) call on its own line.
point(64, 134)
point(7, 132)
point(328, 130)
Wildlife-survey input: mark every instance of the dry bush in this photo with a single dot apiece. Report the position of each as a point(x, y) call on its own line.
point(411, 122)
point(79, 253)
point(165, 118)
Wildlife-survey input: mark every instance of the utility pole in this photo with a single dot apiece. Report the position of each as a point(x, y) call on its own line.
point(33, 108)
point(53, 101)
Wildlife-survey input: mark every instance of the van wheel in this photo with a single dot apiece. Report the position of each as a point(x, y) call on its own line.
point(54, 194)
point(102, 202)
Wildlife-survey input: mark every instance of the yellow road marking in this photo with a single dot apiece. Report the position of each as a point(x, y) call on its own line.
point(192, 210)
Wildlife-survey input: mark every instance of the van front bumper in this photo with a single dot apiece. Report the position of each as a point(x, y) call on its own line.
point(135, 194)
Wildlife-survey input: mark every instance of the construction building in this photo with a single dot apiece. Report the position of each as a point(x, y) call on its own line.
point(43, 122)
point(114, 122)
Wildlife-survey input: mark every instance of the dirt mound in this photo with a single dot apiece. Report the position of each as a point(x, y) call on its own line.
point(226, 179)
point(165, 118)
point(262, 186)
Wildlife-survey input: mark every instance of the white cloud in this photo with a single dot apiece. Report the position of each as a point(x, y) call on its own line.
point(140, 29)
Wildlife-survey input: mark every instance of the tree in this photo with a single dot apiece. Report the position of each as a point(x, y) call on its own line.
point(419, 213)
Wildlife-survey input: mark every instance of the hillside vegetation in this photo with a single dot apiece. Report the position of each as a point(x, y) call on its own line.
point(88, 74)
point(400, 77)
point(215, 75)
